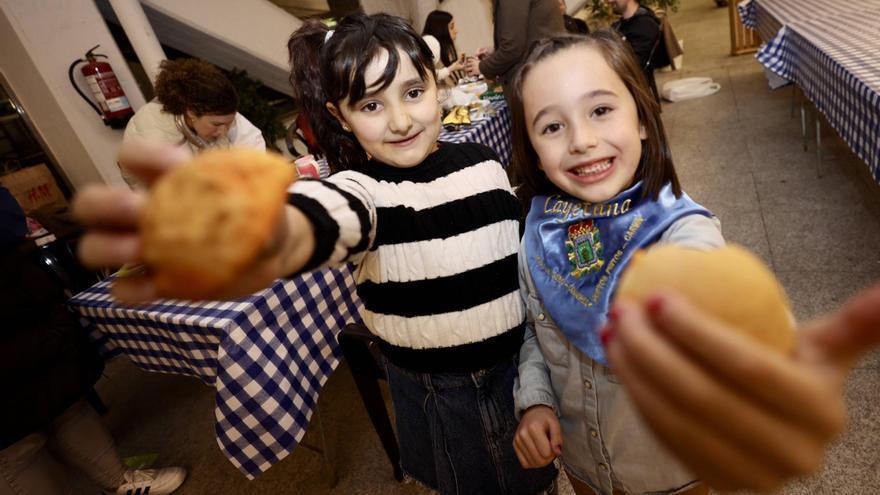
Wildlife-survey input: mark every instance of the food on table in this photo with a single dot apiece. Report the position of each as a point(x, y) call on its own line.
point(731, 283)
point(208, 220)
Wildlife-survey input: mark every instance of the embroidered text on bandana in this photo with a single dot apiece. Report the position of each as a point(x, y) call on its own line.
point(576, 252)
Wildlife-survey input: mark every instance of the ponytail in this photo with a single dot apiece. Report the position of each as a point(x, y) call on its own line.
point(307, 50)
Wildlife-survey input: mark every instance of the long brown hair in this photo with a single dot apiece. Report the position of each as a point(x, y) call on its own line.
point(655, 166)
point(330, 67)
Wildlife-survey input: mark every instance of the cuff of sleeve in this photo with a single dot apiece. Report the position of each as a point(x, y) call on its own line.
point(326, 229)
point(526, 400)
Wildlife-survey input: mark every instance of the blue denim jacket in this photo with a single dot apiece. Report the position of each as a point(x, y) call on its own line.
point(605, 443)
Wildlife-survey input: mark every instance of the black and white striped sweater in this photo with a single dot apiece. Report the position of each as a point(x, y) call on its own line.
point(436, 248)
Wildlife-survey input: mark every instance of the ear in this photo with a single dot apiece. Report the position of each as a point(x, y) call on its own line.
point(334, 111)
point(643, 134)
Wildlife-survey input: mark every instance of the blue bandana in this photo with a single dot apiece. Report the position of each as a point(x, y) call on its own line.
point(577, 251)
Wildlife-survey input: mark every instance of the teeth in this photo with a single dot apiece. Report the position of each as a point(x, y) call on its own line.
point(592, 169)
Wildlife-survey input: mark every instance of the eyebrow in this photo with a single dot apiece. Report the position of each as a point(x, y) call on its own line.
point(585, 96)
point(407, 83)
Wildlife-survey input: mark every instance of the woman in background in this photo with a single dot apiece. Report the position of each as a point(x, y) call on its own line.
point(440, 34)
point(195, 107)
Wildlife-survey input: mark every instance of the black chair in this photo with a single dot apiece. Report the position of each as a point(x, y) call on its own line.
point(361, 350)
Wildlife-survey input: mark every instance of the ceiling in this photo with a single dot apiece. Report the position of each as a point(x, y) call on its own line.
point(318, 8)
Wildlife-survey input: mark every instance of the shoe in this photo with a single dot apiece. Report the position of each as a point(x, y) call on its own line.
point(152, 481)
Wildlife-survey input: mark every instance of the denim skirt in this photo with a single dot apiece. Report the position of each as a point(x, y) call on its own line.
point(455, 431)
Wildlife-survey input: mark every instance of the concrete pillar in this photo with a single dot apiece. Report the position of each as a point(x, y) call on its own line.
point(140, 33)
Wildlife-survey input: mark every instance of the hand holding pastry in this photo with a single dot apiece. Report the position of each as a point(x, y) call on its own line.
point(212, 228)
point(737, 411)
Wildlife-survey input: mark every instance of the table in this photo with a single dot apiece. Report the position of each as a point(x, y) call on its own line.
point(836, 62)
point(267, 355)
point(493, 131)
point(831, 50)
point(769, 16)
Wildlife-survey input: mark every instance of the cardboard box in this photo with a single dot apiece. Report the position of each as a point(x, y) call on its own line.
point(34, 188)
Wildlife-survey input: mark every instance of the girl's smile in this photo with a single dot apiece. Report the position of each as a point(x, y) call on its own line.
point(592, 171)
point(583, 124)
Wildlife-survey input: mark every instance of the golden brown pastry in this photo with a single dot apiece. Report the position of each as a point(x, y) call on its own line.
point(731, 283)
point(208, 220)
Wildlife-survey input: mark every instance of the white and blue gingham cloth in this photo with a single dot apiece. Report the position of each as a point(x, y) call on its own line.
point(493, 131)
point(836, 62)
point(267, 355)
point(769, 16)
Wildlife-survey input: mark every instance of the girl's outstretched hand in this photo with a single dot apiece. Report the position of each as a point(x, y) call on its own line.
point(538, 438)
point(111, 216)
point(737, 414)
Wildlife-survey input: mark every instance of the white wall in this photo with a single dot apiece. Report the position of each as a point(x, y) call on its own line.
point(473, 19)
point(247, 34)
point(416, 11)
point(40, 39)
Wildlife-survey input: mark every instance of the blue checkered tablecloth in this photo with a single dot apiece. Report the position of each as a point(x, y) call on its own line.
point(267, 355)
point(494, 131)
point(769, 16)
point(836, 62)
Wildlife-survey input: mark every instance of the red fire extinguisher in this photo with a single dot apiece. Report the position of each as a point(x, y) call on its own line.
point(115, 110)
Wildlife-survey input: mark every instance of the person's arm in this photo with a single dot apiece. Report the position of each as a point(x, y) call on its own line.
point(532, 385)
point(305, 237)
point(739, 415)
point(538, 439)
point(511, 28)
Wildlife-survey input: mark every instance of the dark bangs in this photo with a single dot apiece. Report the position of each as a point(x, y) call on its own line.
point(359, 39)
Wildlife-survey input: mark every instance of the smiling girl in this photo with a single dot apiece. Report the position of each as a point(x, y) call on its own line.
point(599, 184)
point(433, 230)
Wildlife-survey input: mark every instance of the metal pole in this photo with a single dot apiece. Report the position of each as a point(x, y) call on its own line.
point(140, 33)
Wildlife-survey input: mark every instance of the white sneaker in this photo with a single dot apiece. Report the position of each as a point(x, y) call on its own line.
point(152, 481)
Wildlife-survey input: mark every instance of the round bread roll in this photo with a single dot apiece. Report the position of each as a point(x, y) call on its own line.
point(731, 283)
point(208, 220)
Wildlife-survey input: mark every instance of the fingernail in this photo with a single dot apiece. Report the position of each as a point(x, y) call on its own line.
point(655, 304)
point(557, 448)
point(606, 334)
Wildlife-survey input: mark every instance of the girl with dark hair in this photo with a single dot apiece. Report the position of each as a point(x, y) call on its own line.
point(440, 34)
point(196, 107)
point(599, 185)
point(433, 229)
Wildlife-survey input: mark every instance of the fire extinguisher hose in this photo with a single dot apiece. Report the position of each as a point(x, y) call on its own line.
point(73, 83)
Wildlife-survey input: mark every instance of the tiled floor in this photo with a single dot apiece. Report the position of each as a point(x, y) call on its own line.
point(739, 153)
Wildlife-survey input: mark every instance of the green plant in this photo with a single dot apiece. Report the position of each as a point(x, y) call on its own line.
point(257, 108)
point(601, 14)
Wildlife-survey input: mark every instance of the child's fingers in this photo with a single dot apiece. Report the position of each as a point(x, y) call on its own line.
point(711, 459)
point(517, 449)
point(110, 208)
point(105, 250)
point(555, 438)
point(148, 160)
point(740, 420)
point(529, 447)
point(841, 338)
point(528, 458)
point(697, 439)
point(745, 366)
